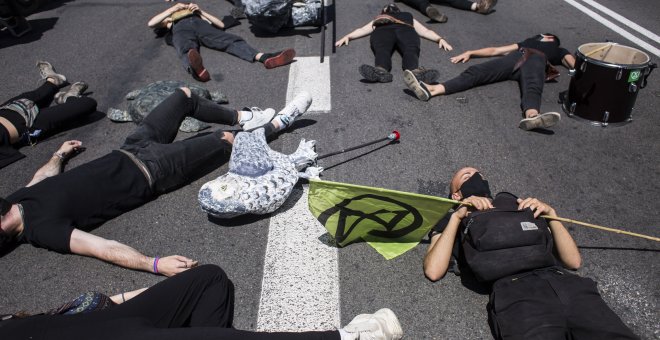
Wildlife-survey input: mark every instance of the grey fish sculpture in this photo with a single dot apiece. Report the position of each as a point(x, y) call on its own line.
point(142, 101)
point(259, 179)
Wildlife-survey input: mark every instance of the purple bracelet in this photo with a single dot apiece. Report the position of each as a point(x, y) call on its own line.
point(156, 264)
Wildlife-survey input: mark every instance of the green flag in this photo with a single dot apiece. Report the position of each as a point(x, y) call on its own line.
point(392, 222)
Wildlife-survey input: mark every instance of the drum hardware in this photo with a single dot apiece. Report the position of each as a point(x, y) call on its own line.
point(619, 74)
point(571, 72)
point(606, 117)
point(632, 88)
point(647, 73)
point(583, 67)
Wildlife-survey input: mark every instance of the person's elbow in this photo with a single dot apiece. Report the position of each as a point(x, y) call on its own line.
point(433, 273)
point(573, 263)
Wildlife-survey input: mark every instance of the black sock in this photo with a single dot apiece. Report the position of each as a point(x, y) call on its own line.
point(265, 56)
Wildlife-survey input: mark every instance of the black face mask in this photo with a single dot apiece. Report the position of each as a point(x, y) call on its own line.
point(475, 186)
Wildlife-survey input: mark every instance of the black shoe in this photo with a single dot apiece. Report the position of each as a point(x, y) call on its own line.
point(419, 88)
point(375, 74)
point(435, 15)
point(426, 76)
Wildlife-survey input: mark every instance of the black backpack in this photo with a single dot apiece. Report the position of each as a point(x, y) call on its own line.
point(505, 241)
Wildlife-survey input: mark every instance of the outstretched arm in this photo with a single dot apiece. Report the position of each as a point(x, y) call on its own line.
point(83, 243)
point(484, 52)
point(54, 165)
point(431, 35)
point(356, 34)
point(567, 250)
point(436, 260)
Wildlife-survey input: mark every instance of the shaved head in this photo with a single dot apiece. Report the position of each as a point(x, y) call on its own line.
point(459, 178)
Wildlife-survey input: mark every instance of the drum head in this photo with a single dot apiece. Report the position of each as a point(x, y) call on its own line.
point(614, 55)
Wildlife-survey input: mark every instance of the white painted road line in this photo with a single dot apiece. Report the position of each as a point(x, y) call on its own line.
point(300, 288)
point(309, 74)
point(643, 44)
point(624, 20)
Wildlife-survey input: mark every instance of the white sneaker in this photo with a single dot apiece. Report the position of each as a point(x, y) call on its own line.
point(299, 105)
point(46, 71)
point(259, 118)
point(544, 120)
point(382, 325)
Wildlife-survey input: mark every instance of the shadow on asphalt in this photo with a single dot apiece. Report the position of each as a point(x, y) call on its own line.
point(39, 27)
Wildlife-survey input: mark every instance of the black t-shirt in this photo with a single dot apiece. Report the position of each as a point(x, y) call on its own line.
point(81, 197)
point(552, 51)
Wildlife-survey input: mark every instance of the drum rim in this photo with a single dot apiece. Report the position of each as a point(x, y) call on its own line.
point(610, 65)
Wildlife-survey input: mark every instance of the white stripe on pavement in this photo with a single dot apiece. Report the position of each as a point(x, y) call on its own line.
point(624, 20)
point(615, 27)
point(300, 288)
point(309, 74)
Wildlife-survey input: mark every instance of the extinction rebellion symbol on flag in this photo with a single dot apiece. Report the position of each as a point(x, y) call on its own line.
point(395, 223)
point(391, 221)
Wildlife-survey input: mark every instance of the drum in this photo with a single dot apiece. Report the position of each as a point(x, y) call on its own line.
point(605, 83)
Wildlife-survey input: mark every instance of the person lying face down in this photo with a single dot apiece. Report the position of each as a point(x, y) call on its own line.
point(148, 164)
point(525, 62)
point(195, 305)
point(533, 293)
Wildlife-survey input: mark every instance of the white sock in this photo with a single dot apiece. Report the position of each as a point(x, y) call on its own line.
point(245, 116)
point(346, 335)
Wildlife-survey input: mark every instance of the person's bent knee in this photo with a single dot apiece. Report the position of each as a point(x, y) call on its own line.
point(212, 272)
point(186, 91)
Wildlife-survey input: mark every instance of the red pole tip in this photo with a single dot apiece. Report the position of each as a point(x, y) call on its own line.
point(395, 135)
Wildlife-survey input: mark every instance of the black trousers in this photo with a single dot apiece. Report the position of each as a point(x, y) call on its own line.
point(530, 77)
point(552, 304)
point(173, 164)
point(51, 118)
point(385, 39)
point(421, 5)
point(194, 305)
point(190, 32)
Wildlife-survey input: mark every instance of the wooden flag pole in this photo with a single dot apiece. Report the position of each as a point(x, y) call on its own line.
point(613, 230)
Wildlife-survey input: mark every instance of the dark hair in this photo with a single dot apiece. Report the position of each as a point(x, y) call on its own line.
point(552, 35)
point(391, 8)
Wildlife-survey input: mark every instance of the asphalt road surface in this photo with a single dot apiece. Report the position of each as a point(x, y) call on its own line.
point(608, 176)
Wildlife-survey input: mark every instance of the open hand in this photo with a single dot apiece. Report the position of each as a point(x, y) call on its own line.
point(461, 58)
point(342, 41)
point(175, 264)
point(444, 45)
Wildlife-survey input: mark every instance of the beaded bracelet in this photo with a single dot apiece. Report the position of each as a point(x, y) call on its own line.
point(156, 264)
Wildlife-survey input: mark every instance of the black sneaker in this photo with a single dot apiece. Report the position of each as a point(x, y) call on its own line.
point(375, 74)
point(435, 15)
point(426, 76)
point(419, 88)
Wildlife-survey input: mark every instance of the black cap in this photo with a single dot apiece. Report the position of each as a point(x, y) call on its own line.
point(5, 206)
